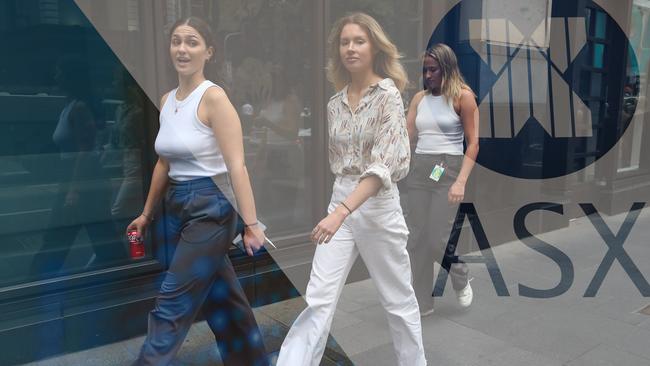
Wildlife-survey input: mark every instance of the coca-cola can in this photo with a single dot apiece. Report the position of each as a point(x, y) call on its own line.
point(136, 244)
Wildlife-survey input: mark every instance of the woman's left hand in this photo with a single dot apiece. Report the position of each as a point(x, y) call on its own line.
point(456, 192)
point(253, 239)
point(327, 227)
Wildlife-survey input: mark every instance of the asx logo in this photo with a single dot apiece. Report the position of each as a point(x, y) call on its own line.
point(614, 242)
point(550, 87)
point(529, 72)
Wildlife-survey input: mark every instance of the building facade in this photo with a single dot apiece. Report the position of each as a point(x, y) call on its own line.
point(70, 182)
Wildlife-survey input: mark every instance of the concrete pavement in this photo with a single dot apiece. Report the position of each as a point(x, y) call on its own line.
point(572, 330)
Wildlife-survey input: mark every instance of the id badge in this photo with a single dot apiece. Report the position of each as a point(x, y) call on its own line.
point(437, 172)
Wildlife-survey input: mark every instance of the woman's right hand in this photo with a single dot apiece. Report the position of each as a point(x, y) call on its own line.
point(140, 224)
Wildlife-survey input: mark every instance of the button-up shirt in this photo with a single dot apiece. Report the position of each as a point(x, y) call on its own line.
point(372, 139)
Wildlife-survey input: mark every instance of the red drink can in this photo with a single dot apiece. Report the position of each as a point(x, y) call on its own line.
point(135, 244)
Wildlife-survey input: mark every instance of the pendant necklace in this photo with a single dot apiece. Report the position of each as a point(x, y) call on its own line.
point(179, 104)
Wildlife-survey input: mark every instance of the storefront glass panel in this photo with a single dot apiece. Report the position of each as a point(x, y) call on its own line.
point(74, 144)
point(264, 62)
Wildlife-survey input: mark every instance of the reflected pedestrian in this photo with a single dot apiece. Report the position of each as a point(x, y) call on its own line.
point(83, 192)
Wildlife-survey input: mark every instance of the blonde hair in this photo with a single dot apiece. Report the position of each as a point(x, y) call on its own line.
point(453, 83)
point(385, 62)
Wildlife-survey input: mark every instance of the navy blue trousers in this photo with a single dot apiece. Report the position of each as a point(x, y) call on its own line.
point(201, 277)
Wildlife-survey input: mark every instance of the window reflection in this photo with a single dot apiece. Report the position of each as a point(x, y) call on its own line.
point(124, 149)
point(72, 133)
point(629, 156)
point(266, 70)
point(82, 199)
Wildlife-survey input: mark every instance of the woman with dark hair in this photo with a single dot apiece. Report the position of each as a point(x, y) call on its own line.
point(440, 118)
point(200, 148)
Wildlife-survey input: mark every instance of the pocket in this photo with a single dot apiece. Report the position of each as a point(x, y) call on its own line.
point(380, 205)
point(389, 193)
point(454, 163)
point(385, 214)
point(208, 191)
point(340, 191)
point(210, 203)
point(423, 164)
point(174, 200)
point(331, 207)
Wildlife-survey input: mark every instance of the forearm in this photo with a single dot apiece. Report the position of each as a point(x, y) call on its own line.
point(243, 193)
point(159, 183)
point(366, 188)
point(413, 141)
point(468, 163)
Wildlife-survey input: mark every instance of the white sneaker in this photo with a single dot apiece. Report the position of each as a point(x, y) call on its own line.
point(426, 313)
point(465, 296)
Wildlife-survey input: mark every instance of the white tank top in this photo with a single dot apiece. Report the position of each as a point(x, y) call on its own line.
point(184, 141)
point(439, 128)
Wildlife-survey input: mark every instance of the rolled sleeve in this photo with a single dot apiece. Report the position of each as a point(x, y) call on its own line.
point(381, 171)
point(390, 155)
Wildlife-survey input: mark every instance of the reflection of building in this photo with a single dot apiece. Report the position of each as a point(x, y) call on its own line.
point(84, 306)
point(49, 11)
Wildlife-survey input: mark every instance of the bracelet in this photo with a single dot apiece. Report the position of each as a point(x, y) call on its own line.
point(147, 216)
point(346, 207)
point(253, 224)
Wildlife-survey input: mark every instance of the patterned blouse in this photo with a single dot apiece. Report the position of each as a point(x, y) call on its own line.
point(372, 140)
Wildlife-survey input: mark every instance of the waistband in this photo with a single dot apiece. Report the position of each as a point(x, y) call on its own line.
point(437, 158)
point(420, 155)
point(351, 180)
point(220, 180)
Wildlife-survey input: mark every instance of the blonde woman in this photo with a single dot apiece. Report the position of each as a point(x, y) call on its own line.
point(440, 118)
point(368, 153)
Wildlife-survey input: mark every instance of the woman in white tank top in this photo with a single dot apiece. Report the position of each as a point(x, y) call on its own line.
point(440, 118)
point(200, 148)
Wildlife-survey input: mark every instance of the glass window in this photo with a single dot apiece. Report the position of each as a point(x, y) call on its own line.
point(596, 85)
point(73, 144)
point(600, 26)
point(599, 55)
point(265, 65)
point(630, 147)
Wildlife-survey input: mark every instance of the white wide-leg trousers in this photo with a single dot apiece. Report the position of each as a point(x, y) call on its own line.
point(378, 233)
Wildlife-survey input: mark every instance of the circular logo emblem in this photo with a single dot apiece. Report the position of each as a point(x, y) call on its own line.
point(556, 86)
